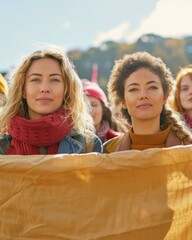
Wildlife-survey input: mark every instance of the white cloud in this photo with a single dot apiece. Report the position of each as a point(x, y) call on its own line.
point(118, 33)
point(170, 18)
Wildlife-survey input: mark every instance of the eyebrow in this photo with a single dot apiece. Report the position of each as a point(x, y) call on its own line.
point(136, 84)
point(51, 75)
point(55, 74)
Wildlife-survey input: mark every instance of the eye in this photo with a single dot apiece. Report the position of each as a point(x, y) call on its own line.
point(153, 87)
point(55, 80)
point(184, 89)
point(35, 80)
point(133, 90)
point(94, 104)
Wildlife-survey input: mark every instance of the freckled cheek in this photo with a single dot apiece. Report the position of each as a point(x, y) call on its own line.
point(182, 96)
point(30, 89)
point(182, 99)
point(58, 93)
point(157, 96)
point(130, 101)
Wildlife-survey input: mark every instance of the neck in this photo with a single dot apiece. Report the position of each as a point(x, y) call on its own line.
point(97, 126)
point(189, 113)
point(146, 127)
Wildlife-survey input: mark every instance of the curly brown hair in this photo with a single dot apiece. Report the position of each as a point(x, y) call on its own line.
point(130, 63)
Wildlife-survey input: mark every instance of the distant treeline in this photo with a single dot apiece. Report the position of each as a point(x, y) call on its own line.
point(175, 53)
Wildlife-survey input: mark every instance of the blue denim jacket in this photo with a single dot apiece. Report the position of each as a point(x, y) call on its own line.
point(75, 143)
point(72, 143)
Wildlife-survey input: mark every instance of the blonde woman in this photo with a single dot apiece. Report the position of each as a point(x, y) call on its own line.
point(141, 84)
point(46, 112)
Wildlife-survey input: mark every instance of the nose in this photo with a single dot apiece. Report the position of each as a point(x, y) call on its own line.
point(144, 95)
point(45, 88)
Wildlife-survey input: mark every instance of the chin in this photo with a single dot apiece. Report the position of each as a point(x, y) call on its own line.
point(47, 111)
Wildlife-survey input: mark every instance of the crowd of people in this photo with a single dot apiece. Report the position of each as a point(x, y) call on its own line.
point(48, 109)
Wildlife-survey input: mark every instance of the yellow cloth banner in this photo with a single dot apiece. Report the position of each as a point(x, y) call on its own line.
point(131, 195)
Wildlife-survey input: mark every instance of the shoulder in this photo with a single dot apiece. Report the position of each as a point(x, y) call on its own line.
point(173, 139)
point(5, 142)
point(111, 134)
point(91, 145)
point(96, 145)
point(110, 145)
point(119, 143)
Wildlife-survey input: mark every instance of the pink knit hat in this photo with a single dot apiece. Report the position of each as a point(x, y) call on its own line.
point(92, 89)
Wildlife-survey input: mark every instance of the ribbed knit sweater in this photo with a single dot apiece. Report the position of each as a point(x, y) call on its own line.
point(141, 142)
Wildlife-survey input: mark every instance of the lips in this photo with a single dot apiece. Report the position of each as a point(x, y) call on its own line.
point(44, 99)
point(144, 105)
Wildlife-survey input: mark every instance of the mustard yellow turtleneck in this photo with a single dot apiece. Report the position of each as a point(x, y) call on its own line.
point(141, 142)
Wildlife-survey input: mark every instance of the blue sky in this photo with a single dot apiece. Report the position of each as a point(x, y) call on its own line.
point(27, 25)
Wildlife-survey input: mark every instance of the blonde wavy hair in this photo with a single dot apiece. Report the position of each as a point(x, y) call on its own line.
point(130, 63)
point(73, 99)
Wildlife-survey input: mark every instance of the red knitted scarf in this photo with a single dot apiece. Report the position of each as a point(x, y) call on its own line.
point(188, 120)
point(29, 135)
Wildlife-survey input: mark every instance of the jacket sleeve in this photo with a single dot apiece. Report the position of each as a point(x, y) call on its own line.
point(5, 142)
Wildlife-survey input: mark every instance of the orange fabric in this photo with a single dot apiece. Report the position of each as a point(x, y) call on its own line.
point(130, 195)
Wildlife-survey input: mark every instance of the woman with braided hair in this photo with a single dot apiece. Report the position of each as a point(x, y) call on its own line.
point(141, 85)
point(46, 112)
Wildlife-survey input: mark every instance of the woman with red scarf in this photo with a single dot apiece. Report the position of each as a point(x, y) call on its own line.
point(46, 112)
point(183, 94)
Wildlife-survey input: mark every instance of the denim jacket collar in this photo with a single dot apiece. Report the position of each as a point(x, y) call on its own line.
point(73, 143)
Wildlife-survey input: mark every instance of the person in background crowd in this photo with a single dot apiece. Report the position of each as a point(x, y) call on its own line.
point(3, 91)
point(141, 84)
point(182, 101)
point(106, 126)
point(46, 112)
